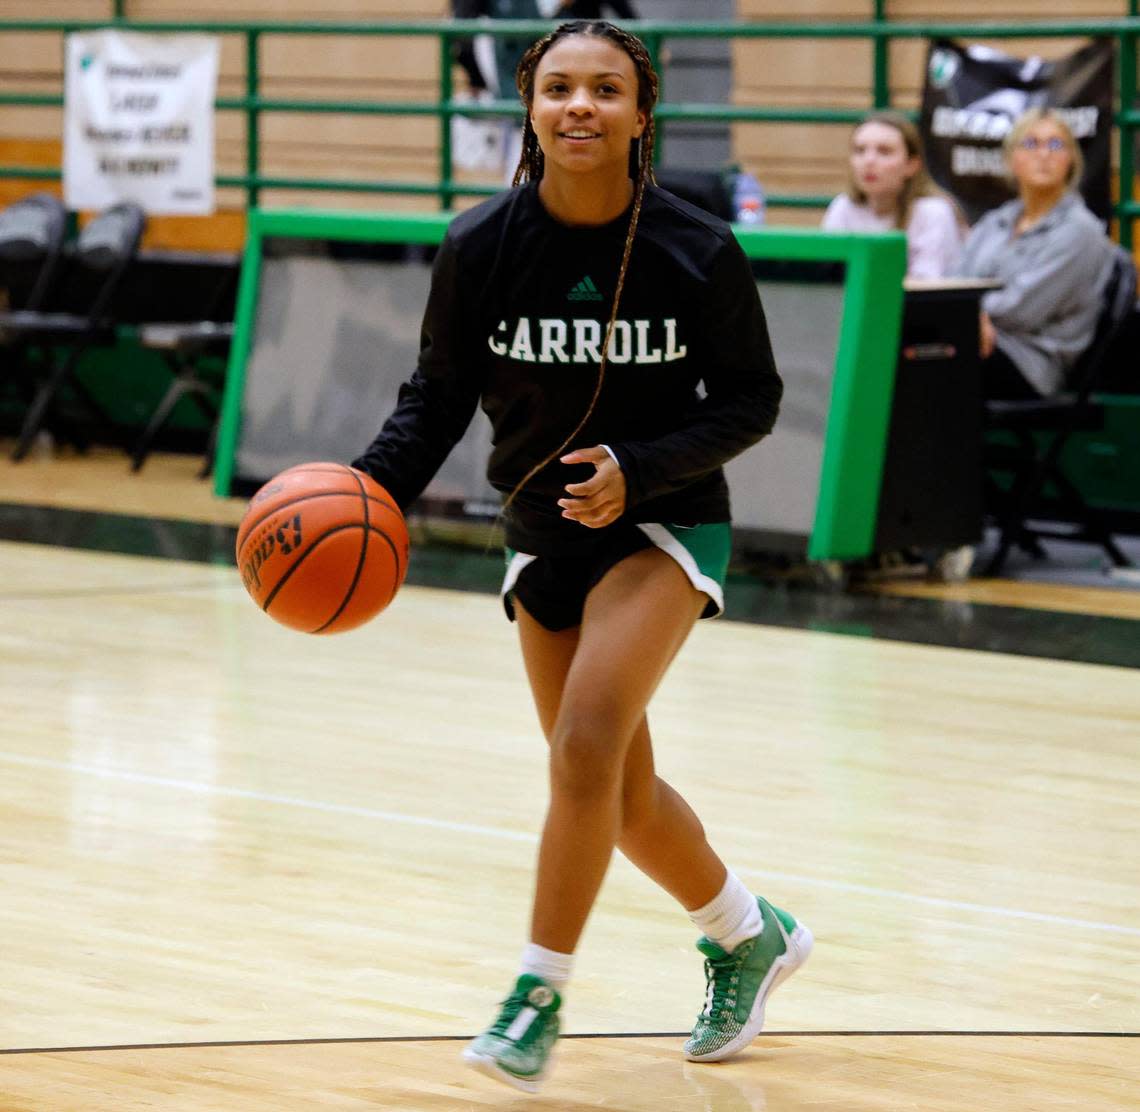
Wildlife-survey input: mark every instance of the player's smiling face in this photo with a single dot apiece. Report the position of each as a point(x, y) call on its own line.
point(584, 111)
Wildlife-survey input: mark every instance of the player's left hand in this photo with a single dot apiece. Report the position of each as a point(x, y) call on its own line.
point(600, 500)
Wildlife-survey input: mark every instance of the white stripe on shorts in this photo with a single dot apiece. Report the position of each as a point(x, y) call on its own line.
point(662, 539)
point(669, 544)
point(514, 569)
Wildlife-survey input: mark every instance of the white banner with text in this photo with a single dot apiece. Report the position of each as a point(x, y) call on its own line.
point(139, 121)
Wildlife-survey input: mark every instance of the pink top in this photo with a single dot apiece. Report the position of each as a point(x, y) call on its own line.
point(933, 236)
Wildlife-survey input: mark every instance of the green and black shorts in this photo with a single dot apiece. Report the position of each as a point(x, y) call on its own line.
point(554, 588)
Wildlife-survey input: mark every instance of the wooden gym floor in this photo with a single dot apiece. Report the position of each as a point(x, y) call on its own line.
point(243, 869)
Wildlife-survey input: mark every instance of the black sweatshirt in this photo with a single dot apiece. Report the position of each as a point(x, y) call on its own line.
point(515, 320)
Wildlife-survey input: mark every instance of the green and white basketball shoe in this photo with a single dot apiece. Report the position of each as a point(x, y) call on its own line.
point(739, 984)
point(516, 1047)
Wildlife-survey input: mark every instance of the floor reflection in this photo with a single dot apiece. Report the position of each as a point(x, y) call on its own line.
point(725, 1090)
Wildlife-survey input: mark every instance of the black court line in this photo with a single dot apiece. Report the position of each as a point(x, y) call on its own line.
point(1018, 631)
point(123, 534)
point(594, 1035)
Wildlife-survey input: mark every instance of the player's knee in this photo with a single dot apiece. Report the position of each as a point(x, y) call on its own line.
point(586, 754)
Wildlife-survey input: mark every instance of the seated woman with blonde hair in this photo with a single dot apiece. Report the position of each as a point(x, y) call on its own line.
point(890, 189)
point(1052, 257)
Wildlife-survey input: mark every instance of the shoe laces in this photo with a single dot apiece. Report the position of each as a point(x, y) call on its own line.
point(509, 1010)
point(722, 978)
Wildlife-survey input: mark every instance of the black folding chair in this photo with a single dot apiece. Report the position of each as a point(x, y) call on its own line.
point(189, 323)
point(189, 349)
point(1039, 430)
point(103, 251)
point(32, 234)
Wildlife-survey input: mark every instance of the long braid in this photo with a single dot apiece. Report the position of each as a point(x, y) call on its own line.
point(531, 165)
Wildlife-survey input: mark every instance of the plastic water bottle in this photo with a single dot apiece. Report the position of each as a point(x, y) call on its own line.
point(748, 200)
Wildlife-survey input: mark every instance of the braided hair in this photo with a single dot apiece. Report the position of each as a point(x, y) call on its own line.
point(532, 164)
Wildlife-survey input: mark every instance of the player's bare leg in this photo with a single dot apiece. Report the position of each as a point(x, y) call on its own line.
point(634, 622)
point(754, 946)
point(591, 687)
point(660, 833)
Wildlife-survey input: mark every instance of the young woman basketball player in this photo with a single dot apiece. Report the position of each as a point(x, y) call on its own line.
point(582, 309)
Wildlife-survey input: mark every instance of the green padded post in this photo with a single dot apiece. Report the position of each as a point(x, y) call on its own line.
point(862, 383)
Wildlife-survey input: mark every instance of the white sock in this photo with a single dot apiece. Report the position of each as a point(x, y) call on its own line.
point(731, 916)
point(554, 968)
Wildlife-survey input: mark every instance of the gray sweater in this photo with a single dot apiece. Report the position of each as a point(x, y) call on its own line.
point(1052, 276)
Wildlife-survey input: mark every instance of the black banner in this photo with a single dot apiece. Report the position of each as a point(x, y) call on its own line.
point(972, 96)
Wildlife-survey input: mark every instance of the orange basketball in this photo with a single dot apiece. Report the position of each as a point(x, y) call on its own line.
point(322, 548)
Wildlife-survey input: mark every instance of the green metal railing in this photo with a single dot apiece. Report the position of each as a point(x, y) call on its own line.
point(880, 33)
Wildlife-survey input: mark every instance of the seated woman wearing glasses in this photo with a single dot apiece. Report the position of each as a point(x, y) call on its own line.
point(1051, 256)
